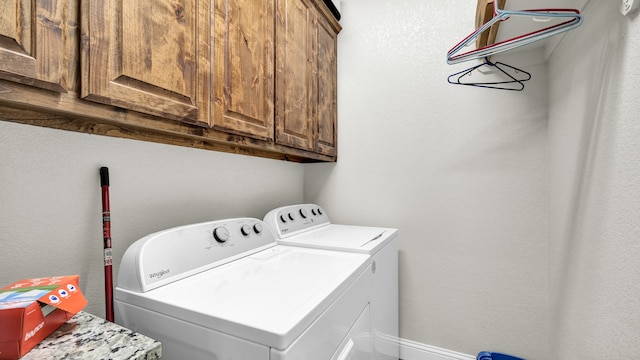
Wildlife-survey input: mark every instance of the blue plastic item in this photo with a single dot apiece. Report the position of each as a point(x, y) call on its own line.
point(486, 355)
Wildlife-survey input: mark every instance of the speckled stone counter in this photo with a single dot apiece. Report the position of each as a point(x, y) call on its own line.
point(86, 336)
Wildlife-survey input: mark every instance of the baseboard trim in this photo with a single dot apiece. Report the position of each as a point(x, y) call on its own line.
point(411, 350)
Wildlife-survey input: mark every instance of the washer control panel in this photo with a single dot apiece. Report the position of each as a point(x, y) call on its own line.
point(175, 253)
point(290, 220)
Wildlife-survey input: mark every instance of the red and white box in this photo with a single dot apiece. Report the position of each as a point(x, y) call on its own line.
point(31, 309)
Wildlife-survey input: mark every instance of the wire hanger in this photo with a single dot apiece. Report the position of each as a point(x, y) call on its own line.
point(491, 75)
point(540, 15)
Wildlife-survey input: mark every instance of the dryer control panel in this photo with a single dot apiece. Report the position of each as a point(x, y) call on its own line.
point(173, 254)
point(290, 220)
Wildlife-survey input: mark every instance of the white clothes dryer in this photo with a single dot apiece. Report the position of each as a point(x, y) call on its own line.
point(225, 290)
point(309, 226)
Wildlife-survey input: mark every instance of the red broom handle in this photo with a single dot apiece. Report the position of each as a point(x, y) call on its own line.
point(106, 235)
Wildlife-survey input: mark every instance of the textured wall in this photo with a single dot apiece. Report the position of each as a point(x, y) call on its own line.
point(50, 207)
point(595, 188)
point(461, 171)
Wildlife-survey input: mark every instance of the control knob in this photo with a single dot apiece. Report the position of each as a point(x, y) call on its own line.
point(303, 213)
point(221, 234)
point(257, 228)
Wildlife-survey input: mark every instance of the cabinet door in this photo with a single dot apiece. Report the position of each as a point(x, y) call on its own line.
point(150, 56)
point(33, 42)
point(327, 93)
point(243, 67)
point(295, 73)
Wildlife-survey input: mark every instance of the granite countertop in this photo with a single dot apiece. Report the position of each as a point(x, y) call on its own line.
point(86, 336)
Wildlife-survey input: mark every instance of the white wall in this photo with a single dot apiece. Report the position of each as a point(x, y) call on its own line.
point(50, 204)
point(595, 188)
point(461, 171)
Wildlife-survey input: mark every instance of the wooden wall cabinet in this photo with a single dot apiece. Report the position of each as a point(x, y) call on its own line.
point(306, 71)
point(243, 66)
point(33, 42)
point(291, 101)
point(256, 77)
point(148, 56)
point(326, 131)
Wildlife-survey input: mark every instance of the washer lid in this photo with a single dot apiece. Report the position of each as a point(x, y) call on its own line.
point(362, 239)
point(269, 297)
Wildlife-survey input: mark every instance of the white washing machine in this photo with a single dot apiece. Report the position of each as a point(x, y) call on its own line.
point(309, 226)
point(226, 290)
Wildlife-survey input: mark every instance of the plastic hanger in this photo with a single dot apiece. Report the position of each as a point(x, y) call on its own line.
point(540, 15)
point(508, 77)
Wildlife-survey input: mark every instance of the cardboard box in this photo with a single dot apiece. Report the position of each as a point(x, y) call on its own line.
point(31, 309)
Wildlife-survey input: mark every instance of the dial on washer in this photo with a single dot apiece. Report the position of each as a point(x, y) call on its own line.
point(221, 234)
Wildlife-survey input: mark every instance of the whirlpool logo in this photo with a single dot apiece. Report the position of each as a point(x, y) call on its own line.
point(159, 274)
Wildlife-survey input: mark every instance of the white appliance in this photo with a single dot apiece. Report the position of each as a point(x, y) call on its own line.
point(309, 226)
point(225, 290)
